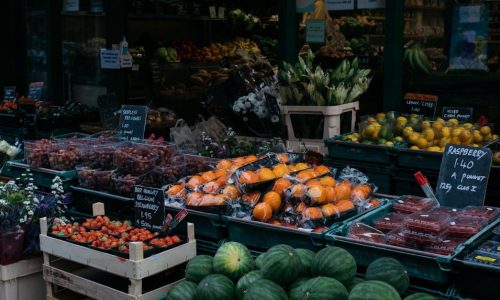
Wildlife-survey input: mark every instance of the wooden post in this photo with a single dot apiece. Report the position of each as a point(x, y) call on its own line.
point(46, 257)
point(136, 252)
point(98, 209)
point(190, 232)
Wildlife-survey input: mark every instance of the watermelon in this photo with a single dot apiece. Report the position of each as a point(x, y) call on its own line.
point(320, 288)
point(233, 260)
point(389, 270)
point(334, 262)
point(292, 288)
point(421, 296)
point(374, 290)
point(281, 265)
point(258, 260)
point(306, 257)
point(356, 280)
point(185, 290)
point(263, 289)
point(215, 287)
point(245, 282)
point(199, 267)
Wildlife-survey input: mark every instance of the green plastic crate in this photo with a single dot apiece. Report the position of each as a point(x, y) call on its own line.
point(114, 205)
point(41, 177)
point(349, 151)
point(419, 160)
point(475, 280)
point(419, 264)
point(262, 236)
point(404, 183)
point(207, 225)
point(378, 175)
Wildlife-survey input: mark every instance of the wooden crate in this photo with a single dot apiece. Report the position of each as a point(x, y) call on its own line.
point(65, 263)
point(22, 280)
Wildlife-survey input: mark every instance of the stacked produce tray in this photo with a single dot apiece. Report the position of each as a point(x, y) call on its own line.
point(42, 177)
point(419, 264)
point(209, 226)
point(373, 154)
point(79, 268)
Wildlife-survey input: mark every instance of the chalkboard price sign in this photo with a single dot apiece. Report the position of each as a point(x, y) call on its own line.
point(420, 104)
point(9, 93)
point(35, 90)
point(133, 122)
point(149, 207)
point(463, 176)
point(462, 114)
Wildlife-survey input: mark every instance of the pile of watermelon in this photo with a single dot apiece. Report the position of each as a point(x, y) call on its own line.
point(284, 273)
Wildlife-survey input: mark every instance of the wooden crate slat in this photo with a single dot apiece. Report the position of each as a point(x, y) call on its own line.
point(160, 292)
point(166, 260)
point(83, 286)
point(21, 268)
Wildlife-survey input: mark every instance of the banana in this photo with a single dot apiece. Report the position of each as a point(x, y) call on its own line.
point(411, 58)
point(424, 62)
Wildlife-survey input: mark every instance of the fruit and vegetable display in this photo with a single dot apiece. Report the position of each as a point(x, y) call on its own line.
point(113, 165)
point(420, 224)
point(306, 84)
point(417, 133)
point(284, 273)
point(104, 234)
point(277, 189)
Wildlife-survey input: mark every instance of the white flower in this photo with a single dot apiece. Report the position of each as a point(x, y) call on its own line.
point(236, 109)
point(30, 212)
point(4, 146)
point(12, 151)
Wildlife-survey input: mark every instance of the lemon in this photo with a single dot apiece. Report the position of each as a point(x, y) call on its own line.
point(455, 140)
point(445, 132)
point(414, 148)
point(413, 138)
point(369, 130)
point(371, 120)
point(422, 143)
point(488, 138)
point(485, 130)
point(477, 137)
point(380, 116)
point(465, 136)
point(426, 124)
point(456, 132)
point(434, 149)
point(468, 125)
point(495, 137)
point(407, 131)
point(474, 145)
point(390, 144)
point(437, 125)
point(429, 134)
point(452, 122)
point(398, 139)
point(441, 120)
point(444, 141)
point(402, 121)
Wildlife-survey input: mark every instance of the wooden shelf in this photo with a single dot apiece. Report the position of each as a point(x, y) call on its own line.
point(153, 17)
point(430, 8)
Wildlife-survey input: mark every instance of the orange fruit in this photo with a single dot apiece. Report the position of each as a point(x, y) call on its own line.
point(374, 202)
point(249, 177)
point(298, 190)
point(220, 199)
point(262, 212)
point(275, 222)
point(224, 164)
point(327, 181)
point(251, 198)
point(208, 200)
point(301, 207)
point(280, 170)
point(176, 190)
point(321, 170)
point(273, 199)
point(343, 190)
point(312, 213)
point(211, 187)
point(239, 161)
point(301, 166)
point(312, 182)
point(317, 194)
point(281, 185)
point(219, 173)
point(221, 180)
point(329, 210)
point(361, 192)
point(250, 159)
point(208, 176)
point(305, 175)
point(345, 205)
point(331, 195)
point(195, 181)
point(282, 157)
point(194, 199)
point(265, 174)
point(231, 191)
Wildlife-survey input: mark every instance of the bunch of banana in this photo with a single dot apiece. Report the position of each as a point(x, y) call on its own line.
point(416, 59)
